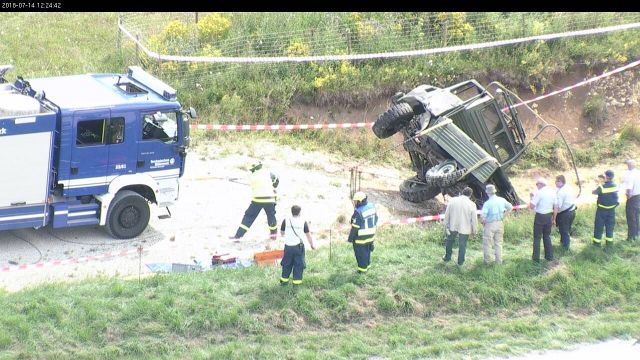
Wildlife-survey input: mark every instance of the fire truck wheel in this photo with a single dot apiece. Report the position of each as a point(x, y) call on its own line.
point(128, 215)
point(392, 120)
point(414, 191)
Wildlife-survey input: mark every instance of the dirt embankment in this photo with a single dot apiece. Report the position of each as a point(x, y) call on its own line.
point(621, 94)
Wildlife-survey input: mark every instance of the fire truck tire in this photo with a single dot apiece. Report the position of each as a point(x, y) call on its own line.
point(444, 174)
point(128, 215)
point(416, 192)
point(392, 120)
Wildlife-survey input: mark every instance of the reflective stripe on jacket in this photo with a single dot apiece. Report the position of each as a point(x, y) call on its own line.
point(608, 195)
point(363, 224)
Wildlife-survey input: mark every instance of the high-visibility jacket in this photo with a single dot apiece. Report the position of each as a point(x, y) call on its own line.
point(263, 185)
point(608, 195)
point(363, 224)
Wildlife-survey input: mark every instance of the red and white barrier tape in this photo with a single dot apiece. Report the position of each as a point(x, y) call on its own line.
point(425, 218)
point(435, 217)
point(84, 259)
point(280, 127)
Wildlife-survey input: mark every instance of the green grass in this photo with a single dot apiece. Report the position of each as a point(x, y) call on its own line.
point(48, 44)
point(553, 154)
point(410, 305)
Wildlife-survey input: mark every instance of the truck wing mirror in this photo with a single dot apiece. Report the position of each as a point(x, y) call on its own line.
point(192, 113)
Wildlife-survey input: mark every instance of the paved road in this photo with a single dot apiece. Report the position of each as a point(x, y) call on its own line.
point(612, 349)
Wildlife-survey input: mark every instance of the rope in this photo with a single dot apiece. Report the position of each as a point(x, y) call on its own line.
point(446, 121)
point(478, 164)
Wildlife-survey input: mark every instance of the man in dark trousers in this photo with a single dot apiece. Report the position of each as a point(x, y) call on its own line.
point(606, 211)
point(632, 207)
point(263, 187)
point(460, 221)
point(564, 210)
point(542, 202)
point(363, 229)
point(292, 229)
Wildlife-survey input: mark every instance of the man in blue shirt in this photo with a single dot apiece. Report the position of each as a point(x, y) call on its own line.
point(493, 212)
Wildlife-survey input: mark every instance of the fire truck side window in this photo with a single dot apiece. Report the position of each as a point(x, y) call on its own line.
point(160, 126)
point(90, 132)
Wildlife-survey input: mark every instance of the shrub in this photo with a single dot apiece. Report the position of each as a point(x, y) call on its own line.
point(213, 27)
point(595, 109)
point(630, 132)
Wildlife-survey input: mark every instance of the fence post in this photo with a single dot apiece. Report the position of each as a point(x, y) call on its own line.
point(330, 245)
point(119, 36)
point(140, 249)
point(196, 18)
point(137, 48)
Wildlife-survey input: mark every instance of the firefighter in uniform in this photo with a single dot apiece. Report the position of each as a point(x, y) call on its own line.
point(606, 211)
point(263, 187)
point(363, 229)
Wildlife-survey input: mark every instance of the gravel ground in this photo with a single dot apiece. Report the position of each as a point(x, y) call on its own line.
point(213, 198)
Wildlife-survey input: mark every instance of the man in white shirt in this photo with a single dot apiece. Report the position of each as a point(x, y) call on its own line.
point(542, 202)
point(631, 183)
point(564, 210)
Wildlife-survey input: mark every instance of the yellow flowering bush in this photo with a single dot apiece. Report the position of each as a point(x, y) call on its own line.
point(298, 48)
point(213, 27)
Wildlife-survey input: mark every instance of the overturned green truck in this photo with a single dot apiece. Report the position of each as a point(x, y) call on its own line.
point(462, 135)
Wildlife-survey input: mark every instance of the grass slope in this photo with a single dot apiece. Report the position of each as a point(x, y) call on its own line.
point(410, 305)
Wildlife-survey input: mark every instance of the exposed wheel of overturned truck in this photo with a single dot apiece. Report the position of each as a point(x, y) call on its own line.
point(128, 215)
point(444, 174)
point(415, 191)
point(392, 120)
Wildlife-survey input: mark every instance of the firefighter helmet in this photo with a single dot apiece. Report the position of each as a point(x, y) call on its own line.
point(359, 196)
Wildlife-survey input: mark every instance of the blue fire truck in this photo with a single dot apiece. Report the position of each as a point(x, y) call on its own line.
point(89, 149)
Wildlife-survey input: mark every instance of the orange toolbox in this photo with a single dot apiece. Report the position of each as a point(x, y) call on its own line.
point(268, 257)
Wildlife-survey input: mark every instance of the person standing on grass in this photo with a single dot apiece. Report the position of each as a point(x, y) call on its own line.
point(542, 202)
point(292, 229)
point(460, 220)
point(606, 210)
point(363, 230)
point(632, 207)
point(263, 187)
point(564, 210)
point(493, 212)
